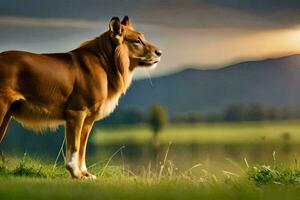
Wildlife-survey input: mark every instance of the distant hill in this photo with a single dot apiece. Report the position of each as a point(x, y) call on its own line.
point(272, 81)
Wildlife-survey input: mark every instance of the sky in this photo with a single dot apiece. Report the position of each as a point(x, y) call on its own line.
point(204, 34)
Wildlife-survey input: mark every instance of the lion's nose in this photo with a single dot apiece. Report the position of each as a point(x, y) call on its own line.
point(158, 52)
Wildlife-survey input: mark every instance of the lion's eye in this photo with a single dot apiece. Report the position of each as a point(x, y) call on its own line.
point(138, 41)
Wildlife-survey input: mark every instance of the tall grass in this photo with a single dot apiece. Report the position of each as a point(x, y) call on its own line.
point(28, 178)
point(161, 173)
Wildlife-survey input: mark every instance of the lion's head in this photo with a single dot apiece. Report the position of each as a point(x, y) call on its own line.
point(140, 52)
point(120, 50)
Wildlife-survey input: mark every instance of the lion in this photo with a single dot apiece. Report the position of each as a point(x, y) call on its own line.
point(75, 88)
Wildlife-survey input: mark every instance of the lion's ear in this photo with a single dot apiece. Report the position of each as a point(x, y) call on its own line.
point(126, 21)
point(115, 26)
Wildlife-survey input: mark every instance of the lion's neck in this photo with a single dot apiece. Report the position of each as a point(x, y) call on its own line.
point(114, 61)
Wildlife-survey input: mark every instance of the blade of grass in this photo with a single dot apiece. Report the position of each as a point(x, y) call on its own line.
point(164, 162)
point(109, 160)
point(60, 152)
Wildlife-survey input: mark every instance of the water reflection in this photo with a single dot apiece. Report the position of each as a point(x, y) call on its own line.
point(212, 156)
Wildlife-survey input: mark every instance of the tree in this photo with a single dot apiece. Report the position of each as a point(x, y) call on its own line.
point(257, 112)
point(157, 121)
point(235, 113)
point(133, 116)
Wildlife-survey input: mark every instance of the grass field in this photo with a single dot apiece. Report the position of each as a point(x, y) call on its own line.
point(243, 132)
point(28, 178)
point(31, 179)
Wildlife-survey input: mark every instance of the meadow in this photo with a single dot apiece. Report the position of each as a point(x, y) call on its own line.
point(28, 178)
point(198, 161)
point(202, 133)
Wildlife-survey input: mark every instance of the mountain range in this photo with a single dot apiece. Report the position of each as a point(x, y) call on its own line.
point(273, 81)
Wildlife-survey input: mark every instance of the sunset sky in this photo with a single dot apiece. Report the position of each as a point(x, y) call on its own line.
point(191, 33)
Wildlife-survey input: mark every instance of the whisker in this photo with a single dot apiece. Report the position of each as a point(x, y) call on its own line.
point(149, 77)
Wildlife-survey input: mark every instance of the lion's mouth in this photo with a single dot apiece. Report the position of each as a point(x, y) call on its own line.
point(148, 63)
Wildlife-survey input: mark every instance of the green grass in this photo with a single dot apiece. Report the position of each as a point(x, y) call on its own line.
point(225, 133)
point(27, 178)
point(263, 175)
point(37, 180)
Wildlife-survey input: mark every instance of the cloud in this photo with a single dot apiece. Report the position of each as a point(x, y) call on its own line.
point(48, 22)
point(176, 13)
point(204, 47)
point(261, 7)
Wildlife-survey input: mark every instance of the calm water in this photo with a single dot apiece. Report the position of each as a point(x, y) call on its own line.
point(213, 157)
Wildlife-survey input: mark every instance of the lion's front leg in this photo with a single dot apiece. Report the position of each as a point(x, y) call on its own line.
point(87, 127)
point(74, 125)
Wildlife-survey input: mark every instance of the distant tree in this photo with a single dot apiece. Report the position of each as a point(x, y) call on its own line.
point(213, 117)
point(285, 113)
point(235, 113)
point(189, 117)
point(157, 121)
point(194, 117)
point(257, 112)
point(130, 115)
point(133, 116)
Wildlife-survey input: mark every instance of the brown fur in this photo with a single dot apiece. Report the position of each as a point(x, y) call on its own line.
point(74, 88)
